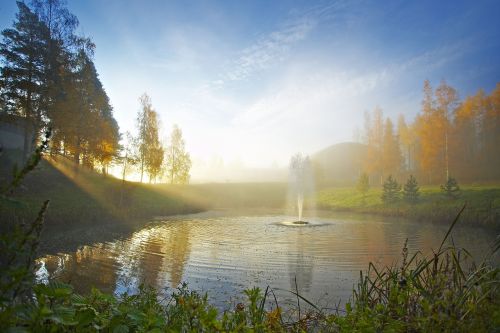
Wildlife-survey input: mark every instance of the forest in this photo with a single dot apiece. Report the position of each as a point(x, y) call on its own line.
point(49, 80)
point(448, 138)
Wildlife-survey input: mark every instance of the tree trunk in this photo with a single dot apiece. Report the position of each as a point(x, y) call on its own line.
point(142, 168)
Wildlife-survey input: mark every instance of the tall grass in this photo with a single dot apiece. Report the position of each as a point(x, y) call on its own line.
point(446, 291)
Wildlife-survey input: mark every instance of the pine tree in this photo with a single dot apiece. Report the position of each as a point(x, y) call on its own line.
point(411, 190)
point(363, 185)
point(391, 191)
point(451, 188)
point(23, 52)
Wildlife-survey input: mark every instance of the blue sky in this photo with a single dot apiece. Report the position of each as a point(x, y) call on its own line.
point(256, 81)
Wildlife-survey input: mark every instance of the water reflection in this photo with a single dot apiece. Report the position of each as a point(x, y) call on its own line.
point(300, 261)
point(223, 255)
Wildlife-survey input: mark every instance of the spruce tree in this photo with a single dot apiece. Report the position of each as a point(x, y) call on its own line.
point(411, 190)
point(391, 190)
point(451, 188)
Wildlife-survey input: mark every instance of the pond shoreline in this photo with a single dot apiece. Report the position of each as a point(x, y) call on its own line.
point(56, 240)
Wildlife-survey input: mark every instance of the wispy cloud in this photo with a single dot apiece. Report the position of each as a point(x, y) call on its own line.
point(266, 51)
point(276, 45)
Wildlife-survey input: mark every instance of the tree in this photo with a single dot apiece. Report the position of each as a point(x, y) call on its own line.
point(451, 188)
point(411, 190)
point(62, 45)
point(374, 132)
point(447, 101)
point(391, 152)
point(408, 143)
point(23, 52)
point(85, 121)
point(363, 185)
point(431, 125)
point(464, 146)
point(149, 147)
point(48, 78)
point(178, 161)
point(128, 159)
point(490, 134)
point(391, 190)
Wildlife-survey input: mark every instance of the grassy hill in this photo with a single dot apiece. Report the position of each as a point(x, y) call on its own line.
point(82, 197)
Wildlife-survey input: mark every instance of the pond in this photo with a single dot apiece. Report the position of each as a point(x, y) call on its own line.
point(223, 254)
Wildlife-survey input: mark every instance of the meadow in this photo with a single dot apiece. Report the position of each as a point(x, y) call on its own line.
point(482, 204)
point(80, 197)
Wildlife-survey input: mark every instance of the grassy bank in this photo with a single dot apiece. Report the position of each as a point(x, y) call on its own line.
point(90, 207)
point(482, 204)
point(79, 197)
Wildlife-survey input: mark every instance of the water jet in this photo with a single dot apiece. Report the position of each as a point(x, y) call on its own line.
point(300, 185)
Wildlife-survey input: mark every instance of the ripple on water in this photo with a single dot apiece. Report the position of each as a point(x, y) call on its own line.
point(224, 255)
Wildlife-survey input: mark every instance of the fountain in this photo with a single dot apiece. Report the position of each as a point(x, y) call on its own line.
point(300, 184)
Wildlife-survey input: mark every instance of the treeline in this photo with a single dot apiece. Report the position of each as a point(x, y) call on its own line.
point(449, 138)
point(48, 79)
point(146, 154)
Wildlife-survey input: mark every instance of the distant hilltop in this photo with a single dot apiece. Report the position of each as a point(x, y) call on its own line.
point(339, 164)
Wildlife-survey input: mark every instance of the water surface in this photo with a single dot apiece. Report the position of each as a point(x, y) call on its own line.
point(223, 254)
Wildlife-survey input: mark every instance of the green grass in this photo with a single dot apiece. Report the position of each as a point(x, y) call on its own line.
point(79, 197)
point(482, 204)
point(84, 198)
point(87, 198)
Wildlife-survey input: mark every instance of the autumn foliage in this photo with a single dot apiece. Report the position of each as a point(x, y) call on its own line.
point(448, 138)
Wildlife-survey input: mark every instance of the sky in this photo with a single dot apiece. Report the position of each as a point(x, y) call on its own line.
point(253, 82)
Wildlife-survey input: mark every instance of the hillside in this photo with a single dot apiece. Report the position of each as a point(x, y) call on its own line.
point(83, 197)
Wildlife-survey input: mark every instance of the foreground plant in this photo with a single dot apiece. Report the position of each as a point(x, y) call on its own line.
point(446, 292)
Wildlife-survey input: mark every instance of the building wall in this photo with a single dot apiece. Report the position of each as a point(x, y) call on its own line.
point(12, 132)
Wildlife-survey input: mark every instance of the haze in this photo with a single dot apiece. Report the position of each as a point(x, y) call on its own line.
point(252, 83)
